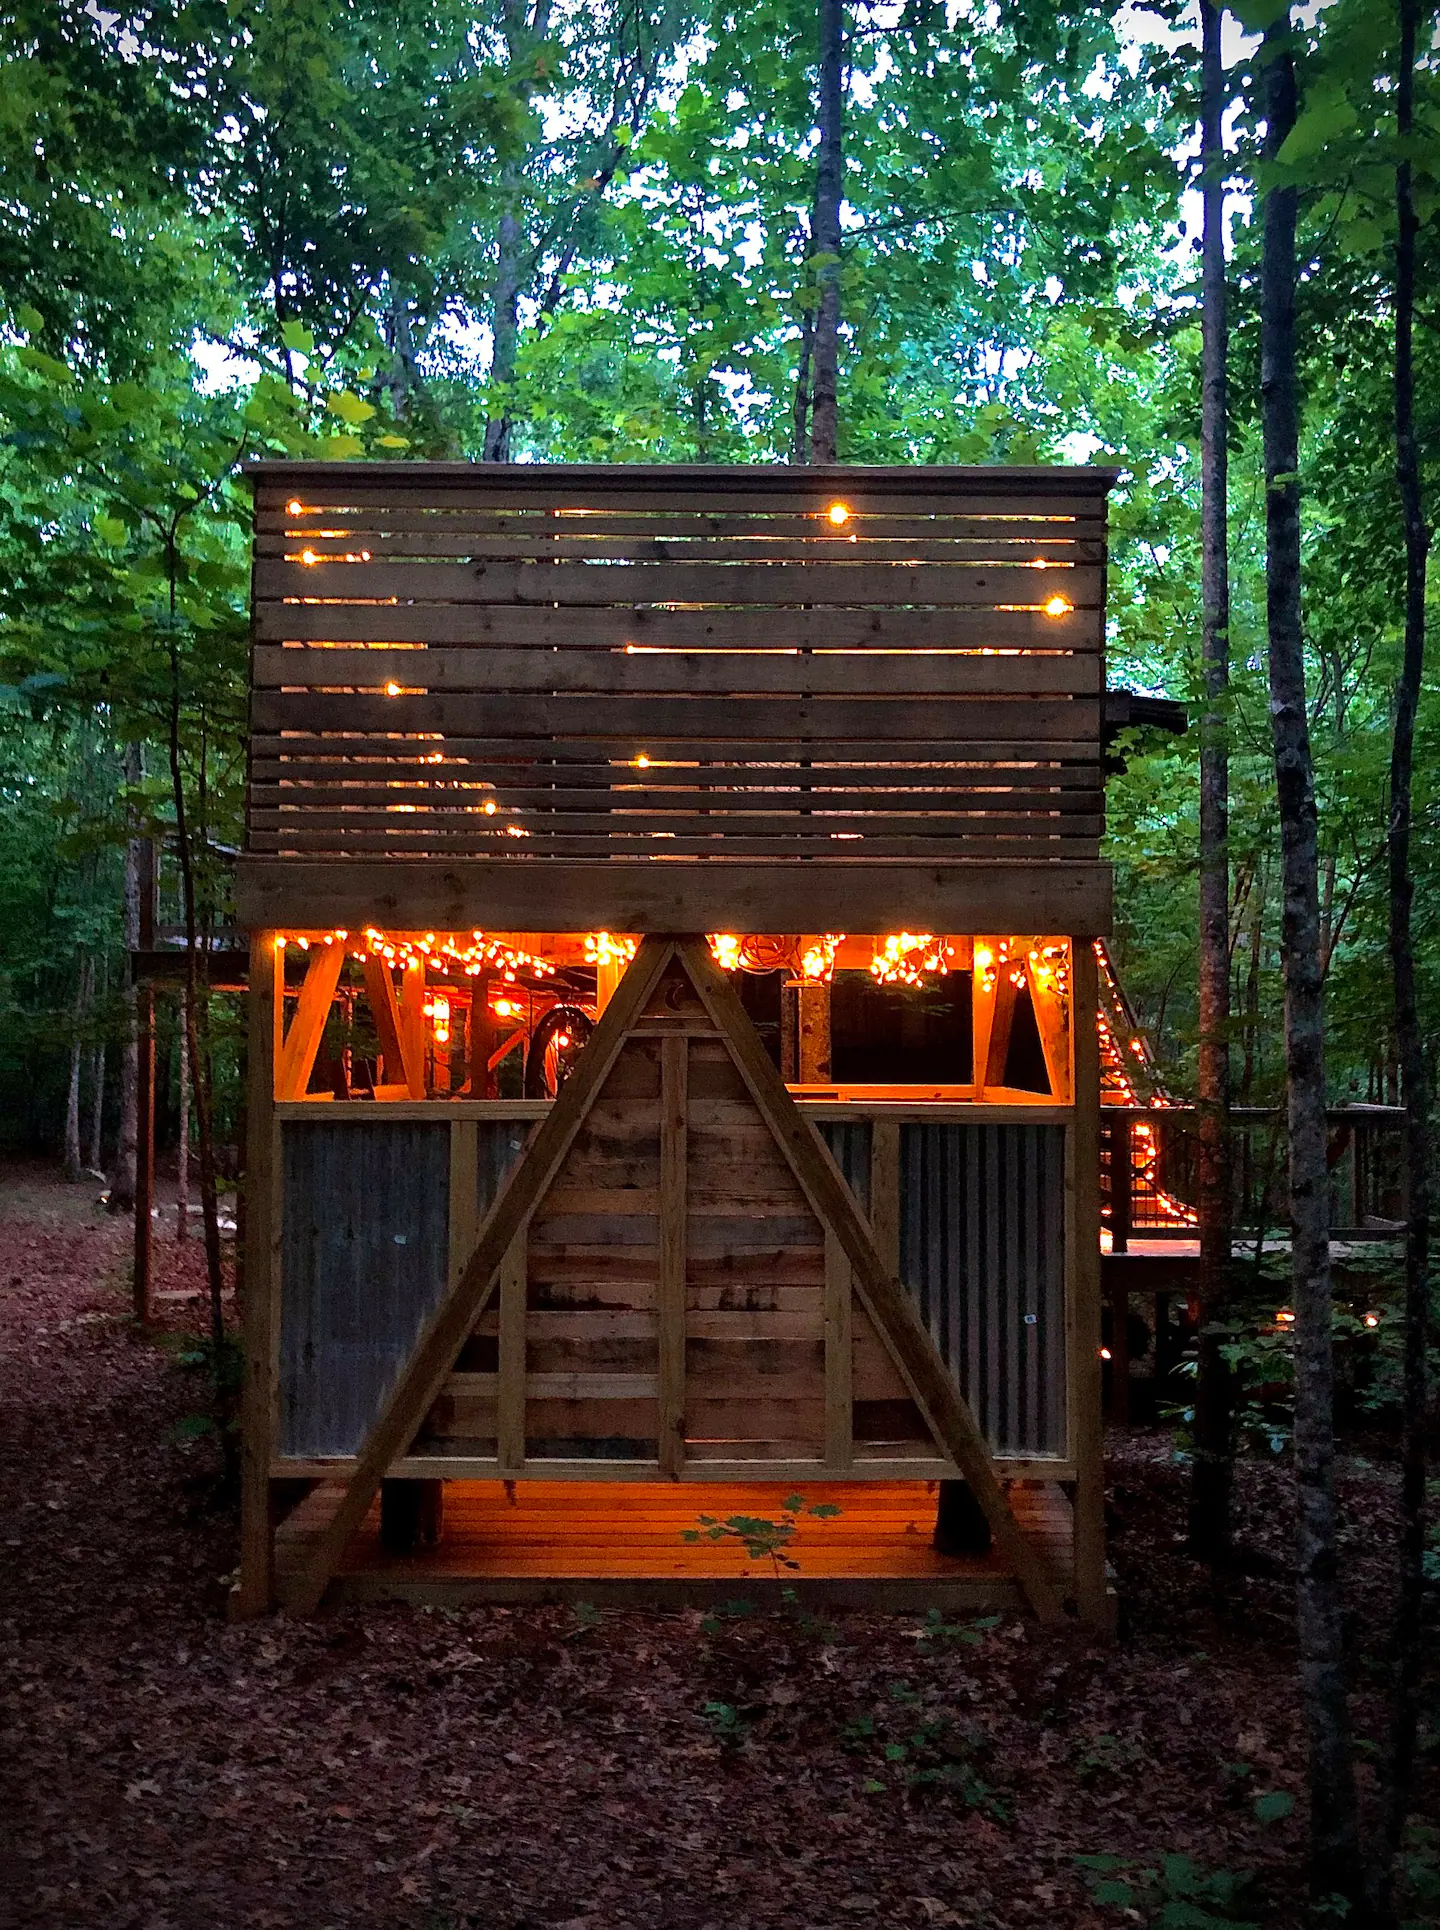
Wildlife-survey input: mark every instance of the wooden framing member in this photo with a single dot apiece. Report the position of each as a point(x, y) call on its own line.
point(429, 1365)
point(1083, 1294)
point(295, 1057)
point(894, 1313)
point(402, 1066)
point(263, 1206)
point(1050, 1023)
point(839, 1356)
point(670, 1293)
point(510, 1380)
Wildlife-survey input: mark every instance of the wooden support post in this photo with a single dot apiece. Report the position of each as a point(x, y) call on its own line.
point(145, 1094)
point(670, 1297)
point(464, 1193)
point(885, 1192)
point(608, 974)
point(1119, 1297)
point(1050, 1022)
point(307, 1028)
point(510, 1381)
point(985, 979)
point(1087, 1426)
point(253, 1593)
point(812, 1009)
point(1122, 1181)
point(412, 1025)
point(144, 1149)
point(385, 1010)
point(839, 1358)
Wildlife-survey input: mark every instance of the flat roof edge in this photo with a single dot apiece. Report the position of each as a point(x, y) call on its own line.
point(975, 478)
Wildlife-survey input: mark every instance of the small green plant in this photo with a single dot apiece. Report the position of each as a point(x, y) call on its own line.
point(1103, 1756)
point(738, 1609)
point(1176, 1895)
point(729, 1723)
point(762, 1538)
point(902, 1749)
point(937, 1633)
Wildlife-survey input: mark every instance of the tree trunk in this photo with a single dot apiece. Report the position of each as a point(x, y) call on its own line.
point(95, 1154)
point(1414, 1073)
point(182, 1149)
point(825, 234)
point(1334, 1838)
point(74, 1166)
point(401, 377)
point(800, 424)
point(122, 1186)
point(505, 332)
point(1214, 1448)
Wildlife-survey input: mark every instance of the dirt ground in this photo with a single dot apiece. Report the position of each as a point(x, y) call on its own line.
point(161, 1769)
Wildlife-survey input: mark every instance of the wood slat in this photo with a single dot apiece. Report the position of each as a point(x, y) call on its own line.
point(683, 762)
point(552, 540)
point(641, 672)
point(449, 819)
point(970, 525)
point(576, 584)
point(610, 629)
point(643, 723)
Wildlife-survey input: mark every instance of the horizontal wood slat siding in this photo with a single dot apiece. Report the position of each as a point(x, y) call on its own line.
point(571, 663)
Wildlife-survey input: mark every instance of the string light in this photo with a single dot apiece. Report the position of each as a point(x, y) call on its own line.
point(909, 958)
point(725, 948)
point(817, 962)
point(294, 509)
point(1058, 606)
point(839, 514)
point(603, 948)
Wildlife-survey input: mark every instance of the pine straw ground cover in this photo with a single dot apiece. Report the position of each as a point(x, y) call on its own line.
point(532, 1769)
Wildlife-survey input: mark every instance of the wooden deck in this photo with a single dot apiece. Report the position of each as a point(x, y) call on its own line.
point(621, 1544)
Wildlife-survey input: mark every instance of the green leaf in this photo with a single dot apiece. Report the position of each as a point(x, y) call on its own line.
point(110, 530)
point(393, 442)
point(350, 407)
point(29, 319)
point(1111, 1890)
point(1314, 130)
point(297, 338)
point(1274, 1806)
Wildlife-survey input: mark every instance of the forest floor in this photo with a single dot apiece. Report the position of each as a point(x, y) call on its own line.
point(555, 1769)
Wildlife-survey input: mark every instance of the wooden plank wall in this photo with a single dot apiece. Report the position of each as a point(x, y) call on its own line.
point(566, 1365)
point(571, 664)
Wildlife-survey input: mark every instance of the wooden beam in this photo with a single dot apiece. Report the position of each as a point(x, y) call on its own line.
point(464, 1192)
point(887, 1302)
point(511, 1386)
point(502, 894)
point(813, 1023)
point(252, 1595)
point(670, 1292)
point(1087, 1427)
point(412, 1025)
point(885, 1192)
point(400, 1067)
point(1050, 1022)
point(307, 1028)
point(447, 1329)
point(839, 1357)
point(1002, 1020)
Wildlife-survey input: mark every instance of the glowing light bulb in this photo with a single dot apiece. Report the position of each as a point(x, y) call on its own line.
point(839, 514)
point(640, 761)
point(490, 807)
point(308, 556)
point(294, 509)
point(1058, 606)
point(984, 958)
point(1105, 1354)
point(392, 690)
point(1372, 1320)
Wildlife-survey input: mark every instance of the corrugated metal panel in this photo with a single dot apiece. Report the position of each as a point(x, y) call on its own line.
point(364, 1259)
point(501, 1142)
point(849, 1143)
point(982, 1248)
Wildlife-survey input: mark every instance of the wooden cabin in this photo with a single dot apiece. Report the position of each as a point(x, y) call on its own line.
point(673, 898)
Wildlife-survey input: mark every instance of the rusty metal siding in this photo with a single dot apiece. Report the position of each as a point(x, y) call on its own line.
point(364, 1254)
point(982, 1249)
point(849, 1144)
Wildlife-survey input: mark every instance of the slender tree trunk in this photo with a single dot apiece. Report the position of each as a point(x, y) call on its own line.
point(182, 1150)
point(1252, 993)
point(1414, 1073)
point(1334, 1835)
point(505, 331)
point(825, 233)
point(1214, 1450)
point(401, 377)
point(122, 1186)
point(800, 427)
point(74, 1166)
point(94, 1158)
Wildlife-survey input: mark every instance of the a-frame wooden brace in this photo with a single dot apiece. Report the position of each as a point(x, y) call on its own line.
point(668, 978)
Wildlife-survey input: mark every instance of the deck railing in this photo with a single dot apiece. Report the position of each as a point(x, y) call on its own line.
point(1149, 1158)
